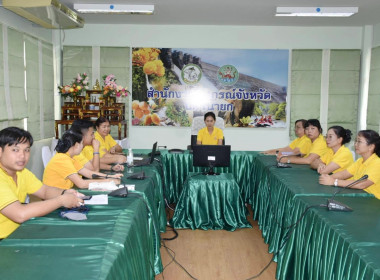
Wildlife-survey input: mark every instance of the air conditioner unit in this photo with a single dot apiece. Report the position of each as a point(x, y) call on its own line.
point(47, 13)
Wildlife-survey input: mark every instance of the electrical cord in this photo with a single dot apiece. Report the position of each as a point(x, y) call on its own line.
point(174, 260)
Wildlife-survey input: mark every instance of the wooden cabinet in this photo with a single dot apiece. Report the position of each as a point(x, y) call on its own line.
point(92, 107)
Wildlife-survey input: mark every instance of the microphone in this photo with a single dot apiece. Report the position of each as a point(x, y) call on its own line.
point(284, 165)
point(334, 205)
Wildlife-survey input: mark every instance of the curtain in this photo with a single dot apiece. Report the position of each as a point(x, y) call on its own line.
point(373, 112)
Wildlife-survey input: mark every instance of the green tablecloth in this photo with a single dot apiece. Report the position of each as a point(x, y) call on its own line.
point(333, 245)
point(178, 166)
point(275, 194)
point(210, 202)
point(118, 241)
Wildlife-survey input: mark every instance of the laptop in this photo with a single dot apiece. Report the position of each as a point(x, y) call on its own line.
point(146, 161)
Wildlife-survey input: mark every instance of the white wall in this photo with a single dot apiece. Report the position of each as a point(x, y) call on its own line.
point(241, 37)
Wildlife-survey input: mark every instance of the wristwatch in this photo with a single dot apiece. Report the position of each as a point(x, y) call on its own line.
point(336, 182)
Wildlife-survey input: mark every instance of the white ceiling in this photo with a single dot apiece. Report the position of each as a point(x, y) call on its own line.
point(234, 12)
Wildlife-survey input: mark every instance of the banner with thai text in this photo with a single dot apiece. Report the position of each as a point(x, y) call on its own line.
point(172, 86)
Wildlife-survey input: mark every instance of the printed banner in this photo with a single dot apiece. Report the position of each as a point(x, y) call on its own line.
point(247, 88)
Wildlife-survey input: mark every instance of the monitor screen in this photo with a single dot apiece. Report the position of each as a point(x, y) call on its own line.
point(211, 156)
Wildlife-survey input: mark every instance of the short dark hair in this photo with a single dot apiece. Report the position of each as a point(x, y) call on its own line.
point(314, 122)
point(81, 125)
point(372, 137)
point(345, 134)
point(101, 120)
point(303, 121)
point(69, 139)
point(209, 114)
point(13, 135)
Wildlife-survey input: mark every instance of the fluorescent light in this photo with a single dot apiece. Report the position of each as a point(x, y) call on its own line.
point(114, 9)
point(316, 11)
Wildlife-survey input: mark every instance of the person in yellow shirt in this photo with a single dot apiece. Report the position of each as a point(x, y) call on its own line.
point(63, 170)
point(109, 149)
point(300, 145)
point(210, 135)
point(90, 156)
point(318, 146)
point(367, 145)
point(16, 182)
point(338, 157)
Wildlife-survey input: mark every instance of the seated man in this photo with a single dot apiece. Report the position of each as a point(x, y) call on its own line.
point(16, 182)
point(90, 155)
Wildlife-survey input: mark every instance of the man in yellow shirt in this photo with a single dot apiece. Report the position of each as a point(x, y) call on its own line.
point(210, 135)
point(90, 155)
point(16, 182)
point(300, 145)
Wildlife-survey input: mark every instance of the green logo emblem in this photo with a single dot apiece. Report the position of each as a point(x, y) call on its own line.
point(191, 74)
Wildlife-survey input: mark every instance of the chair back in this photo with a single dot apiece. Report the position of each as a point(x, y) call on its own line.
point(46, 155)
point(53, 145)
point(124, 143)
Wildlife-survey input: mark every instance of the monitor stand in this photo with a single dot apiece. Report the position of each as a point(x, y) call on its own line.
point(210, 171)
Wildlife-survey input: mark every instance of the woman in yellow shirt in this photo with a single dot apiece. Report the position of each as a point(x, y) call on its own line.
point(338, 157)
point(63, 171)
point(210, 135)
point(300, 145)
point(367, 145)
point(108, 146)
point(318, 147)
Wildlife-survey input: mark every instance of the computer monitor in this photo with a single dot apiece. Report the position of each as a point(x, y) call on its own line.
point(211, 156)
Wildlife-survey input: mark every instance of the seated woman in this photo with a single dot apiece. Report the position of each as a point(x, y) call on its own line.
point(300, 145)
point(338, 157)
point(367, 145)
point(210, 135)
point(63, 171)
point(318, 146)
point(109, 149)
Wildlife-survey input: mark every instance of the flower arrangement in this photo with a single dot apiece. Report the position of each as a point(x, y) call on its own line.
point(110, 87)
point(79, 83)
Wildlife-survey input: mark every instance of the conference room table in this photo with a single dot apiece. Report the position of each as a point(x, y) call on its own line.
point(210, 202)
point(308, 240)
point(120, 240)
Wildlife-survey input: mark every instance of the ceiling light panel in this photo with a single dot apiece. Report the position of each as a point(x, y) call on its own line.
point(114, 9)
point(316, 11)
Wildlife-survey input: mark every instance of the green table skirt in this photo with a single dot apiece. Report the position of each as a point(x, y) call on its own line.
point(116, 242)
point(178, 166)
point(210, 202)
point(333, 245)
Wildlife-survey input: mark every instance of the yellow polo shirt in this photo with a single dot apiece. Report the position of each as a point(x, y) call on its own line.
point(58, 169)
point(27, 183)
point(371, 167)
point(81, 158)
point(106, 143)
point(319, 146)
point(210, 139)
point(343, 157)
point(303, 143)
point(85, 155)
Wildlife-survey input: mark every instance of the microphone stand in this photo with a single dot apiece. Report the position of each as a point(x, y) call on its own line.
point(334, 205)
point(284, 165)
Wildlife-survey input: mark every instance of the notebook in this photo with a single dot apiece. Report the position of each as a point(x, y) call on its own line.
point(146, 161)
